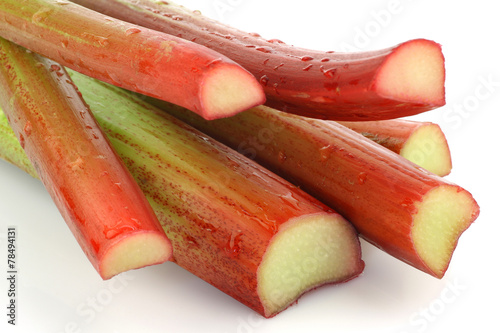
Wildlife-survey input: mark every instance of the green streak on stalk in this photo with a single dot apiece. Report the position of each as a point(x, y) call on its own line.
point(10, 148)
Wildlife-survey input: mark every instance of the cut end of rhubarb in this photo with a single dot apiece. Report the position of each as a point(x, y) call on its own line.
point(443, 215)
point(137, 251)
point(306, 253)
point(413, 73)
point(428, 148)
point(227, 90)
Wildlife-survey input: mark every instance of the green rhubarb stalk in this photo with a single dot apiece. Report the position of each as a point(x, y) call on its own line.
point(423, 143)
point(396, 205)
point(130, 56)
point(233, 223)
point(96, 195)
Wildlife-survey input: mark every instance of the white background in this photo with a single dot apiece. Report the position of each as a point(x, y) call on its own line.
point(58, 290)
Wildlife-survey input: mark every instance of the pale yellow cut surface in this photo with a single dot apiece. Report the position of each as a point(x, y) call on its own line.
point(308, 252)
point(443, 215)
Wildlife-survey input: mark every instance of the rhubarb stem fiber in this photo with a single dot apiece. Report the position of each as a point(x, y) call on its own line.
point(95, 193)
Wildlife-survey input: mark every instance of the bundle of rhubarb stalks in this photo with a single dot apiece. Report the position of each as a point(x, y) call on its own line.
point(163, 135)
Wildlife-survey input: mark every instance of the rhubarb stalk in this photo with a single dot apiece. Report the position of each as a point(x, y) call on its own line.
point(130, 56)
point(96, 195)
point(423, 143)
point(396, 205)
point(394, 82)
point(233, 223)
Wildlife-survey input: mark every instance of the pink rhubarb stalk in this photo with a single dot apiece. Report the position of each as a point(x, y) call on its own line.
point(394, 82)
point(401, 208)
point(132, 57)
point(423, 143)
point(232, 223)
point(96, 195)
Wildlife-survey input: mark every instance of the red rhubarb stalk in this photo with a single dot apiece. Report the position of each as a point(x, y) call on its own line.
point(398, 81)
point(232, 223)
point(423, 143)
point(132, 57)
point(396, 205)
point(96, 195)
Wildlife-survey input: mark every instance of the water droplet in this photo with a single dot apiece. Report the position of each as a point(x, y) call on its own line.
point(97, 40)
point(264, 80)
point(306, 58)
point(191, 241)
point(177, 18)
point(265, 61)
point(76, 164)
point(64, 43)
point(41, 15)
point(28, 128)
point(233, 164)
point(132, 31)
point(275, 87)
point(346, 66)
point(324, 153)
point(55, 68)
point(214, 62)
point(281, 156)
point(263, 49)
point(308, 67)
point(275, 41)
point(119, 228)
point(233, 247)
point(362, 178)
point(254, 34)
point(196, 12)
point(278, 66)
point(290, 201)
point(325, 60)
point(330, 73)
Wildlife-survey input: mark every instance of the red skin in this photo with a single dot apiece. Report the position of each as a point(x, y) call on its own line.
point(372, 187)
point(219, 209)
point(327, 85)
point(95, 193)
point(120, 53)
